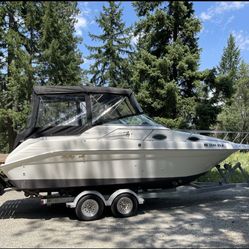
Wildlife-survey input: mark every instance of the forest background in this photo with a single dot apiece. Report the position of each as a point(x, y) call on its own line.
point(158, 57)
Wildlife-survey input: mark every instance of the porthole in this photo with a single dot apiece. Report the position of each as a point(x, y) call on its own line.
point(193, 138)
point(159, 137)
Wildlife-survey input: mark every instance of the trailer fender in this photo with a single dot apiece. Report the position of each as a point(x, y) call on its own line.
point(87, 192)
point(122, 191)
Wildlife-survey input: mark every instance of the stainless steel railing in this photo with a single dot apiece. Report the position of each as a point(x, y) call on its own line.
point(233, 136)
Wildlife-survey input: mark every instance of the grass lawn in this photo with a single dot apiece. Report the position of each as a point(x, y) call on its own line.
point(242, 157)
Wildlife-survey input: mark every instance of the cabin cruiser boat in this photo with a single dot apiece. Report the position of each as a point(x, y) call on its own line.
point(82, 137)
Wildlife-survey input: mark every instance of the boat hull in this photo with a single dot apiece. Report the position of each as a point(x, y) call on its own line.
point(103, 185)
point(115, 169)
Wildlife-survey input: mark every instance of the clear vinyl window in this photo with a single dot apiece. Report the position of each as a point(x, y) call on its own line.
point(61, 111)
point(137, 120)
point(107, 107)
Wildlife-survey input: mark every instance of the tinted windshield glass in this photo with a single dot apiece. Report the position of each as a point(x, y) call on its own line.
point(136, 120)
point(107, 107)
point(61, 111)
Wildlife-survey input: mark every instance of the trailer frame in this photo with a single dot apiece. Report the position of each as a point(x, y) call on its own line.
point(225, 172)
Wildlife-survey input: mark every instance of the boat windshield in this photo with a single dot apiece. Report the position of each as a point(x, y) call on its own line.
point(63, 110)
point(140, 120)
point(108, 107)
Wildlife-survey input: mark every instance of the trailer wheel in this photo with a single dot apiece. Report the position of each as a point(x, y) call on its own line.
point(89, 207)
point(124, 205)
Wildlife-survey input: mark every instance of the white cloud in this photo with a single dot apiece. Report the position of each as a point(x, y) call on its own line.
point(220, 8)
point(229, 20)
point(80, 24)
point(242, 39)
point(205, 16)
point(84, 8)
point(85, 18)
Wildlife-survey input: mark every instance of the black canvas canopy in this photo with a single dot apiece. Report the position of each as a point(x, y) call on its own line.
point(70, 110)
point(47, 90)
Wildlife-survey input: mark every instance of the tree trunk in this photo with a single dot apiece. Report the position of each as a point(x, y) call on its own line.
point(11, 134)
point(10, 131)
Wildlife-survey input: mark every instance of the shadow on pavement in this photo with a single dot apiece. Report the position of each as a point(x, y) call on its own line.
point(31, 208)
point(205, 220)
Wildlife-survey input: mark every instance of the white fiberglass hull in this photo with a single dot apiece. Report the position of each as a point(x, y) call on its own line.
point(141, 169)
point(113, 159)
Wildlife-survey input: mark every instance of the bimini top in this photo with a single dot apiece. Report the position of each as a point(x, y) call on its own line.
point(71, 110)
point(47, 90)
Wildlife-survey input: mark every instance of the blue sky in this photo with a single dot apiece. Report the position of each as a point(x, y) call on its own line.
point(219, 19)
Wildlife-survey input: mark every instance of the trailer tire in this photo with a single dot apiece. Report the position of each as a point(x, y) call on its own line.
point(89, 207)
point(124, 205)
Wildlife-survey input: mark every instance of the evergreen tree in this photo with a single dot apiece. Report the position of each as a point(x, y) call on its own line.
point(236, 116)
point(15, 71)
point(227, 75)
point(213, 90)
point(110, 66)
point(165, 69)
point(60, 58)
point(230, 59)
point(218, 87)
point(28, 56)
point(31, 16)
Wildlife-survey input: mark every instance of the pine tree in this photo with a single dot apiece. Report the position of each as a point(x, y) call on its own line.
point(213, 90)
point(110, 66)
point(230, 59)
point(228, 75)
point(236, 116)
point(60, 58)
point(166, 64)
point(31, 15)
point(37, 45)
point(15, 71)
point(218, 87)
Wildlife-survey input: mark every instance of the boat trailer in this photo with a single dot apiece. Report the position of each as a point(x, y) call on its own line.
point(124, 202)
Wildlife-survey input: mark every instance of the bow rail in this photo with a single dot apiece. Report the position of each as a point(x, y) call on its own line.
point(239, 137)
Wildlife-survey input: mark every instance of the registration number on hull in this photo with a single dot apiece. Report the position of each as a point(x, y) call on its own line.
point(213, 145)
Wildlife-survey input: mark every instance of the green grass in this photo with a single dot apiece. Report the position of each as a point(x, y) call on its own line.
point(213, 175)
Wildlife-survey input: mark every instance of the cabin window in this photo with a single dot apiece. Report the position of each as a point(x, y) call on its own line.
point(61, 111)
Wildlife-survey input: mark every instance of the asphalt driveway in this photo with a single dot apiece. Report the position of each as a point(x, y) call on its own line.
point(219, 219)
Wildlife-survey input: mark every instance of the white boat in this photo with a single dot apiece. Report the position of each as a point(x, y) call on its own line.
point(98, 138)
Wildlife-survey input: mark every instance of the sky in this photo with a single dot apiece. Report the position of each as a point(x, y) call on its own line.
point(219, 19)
